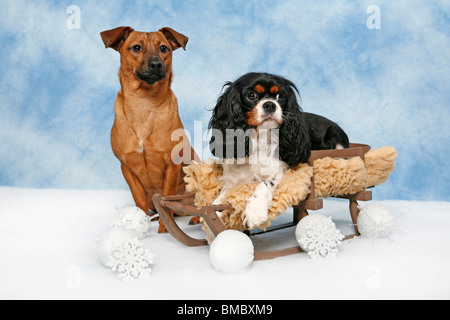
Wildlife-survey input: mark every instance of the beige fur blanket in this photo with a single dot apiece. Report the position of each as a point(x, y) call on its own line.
point(332, 177)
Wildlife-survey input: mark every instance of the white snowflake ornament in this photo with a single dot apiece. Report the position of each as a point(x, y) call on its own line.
point(135, 219)
point(318, 236)
point(121, 250)
point(131, 260)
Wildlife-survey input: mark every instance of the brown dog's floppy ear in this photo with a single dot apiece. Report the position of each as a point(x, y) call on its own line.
point(115, 37)
point(176, 39)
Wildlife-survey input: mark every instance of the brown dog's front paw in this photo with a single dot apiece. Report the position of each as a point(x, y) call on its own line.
point(162, 228)
point(194, 220)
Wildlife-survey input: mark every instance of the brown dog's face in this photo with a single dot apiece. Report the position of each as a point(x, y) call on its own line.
point(149, 55)
point(145, 55)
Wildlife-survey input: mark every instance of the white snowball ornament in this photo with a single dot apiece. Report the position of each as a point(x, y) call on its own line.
point(111, 238)
point(231, 252)
point(135, 219)
point(318, 236)
point(375, 221)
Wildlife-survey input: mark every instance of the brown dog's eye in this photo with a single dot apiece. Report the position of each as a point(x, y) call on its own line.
point(137, 48)
point(252, 96)
point(163, 48)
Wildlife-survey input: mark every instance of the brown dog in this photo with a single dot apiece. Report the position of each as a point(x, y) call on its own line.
point(146, 113)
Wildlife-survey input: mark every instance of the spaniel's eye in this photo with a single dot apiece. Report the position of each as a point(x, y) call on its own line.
point(163, 48)
point(252, 96)
point(280, 97)
point(137, 48)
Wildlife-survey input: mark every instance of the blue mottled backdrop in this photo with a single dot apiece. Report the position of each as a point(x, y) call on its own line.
point(381, 69)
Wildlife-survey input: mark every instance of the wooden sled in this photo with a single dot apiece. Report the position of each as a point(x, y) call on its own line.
point(183, 204)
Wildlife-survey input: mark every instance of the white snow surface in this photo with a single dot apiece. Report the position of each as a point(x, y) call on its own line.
point(48, 250)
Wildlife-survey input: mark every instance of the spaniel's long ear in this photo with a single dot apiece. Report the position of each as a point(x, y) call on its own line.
point(114, 38)
point(229, 128)
point(295, 143)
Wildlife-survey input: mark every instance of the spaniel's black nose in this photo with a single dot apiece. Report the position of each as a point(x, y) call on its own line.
point(269, 107)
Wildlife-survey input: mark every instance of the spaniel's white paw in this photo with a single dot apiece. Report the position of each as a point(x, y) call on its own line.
point(256, 212)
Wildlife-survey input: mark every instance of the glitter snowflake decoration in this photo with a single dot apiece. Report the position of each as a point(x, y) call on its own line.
point(131, 260)
point(318, 235)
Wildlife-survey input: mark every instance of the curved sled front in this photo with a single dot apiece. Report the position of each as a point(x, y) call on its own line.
point(184, 204)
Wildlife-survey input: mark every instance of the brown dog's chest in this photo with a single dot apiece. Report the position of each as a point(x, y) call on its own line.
point(153, 127)
point(142, 131)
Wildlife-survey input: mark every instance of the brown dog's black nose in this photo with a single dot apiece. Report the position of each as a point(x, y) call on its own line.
point(155, 64)
point(154, 72)
point(269, 107)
